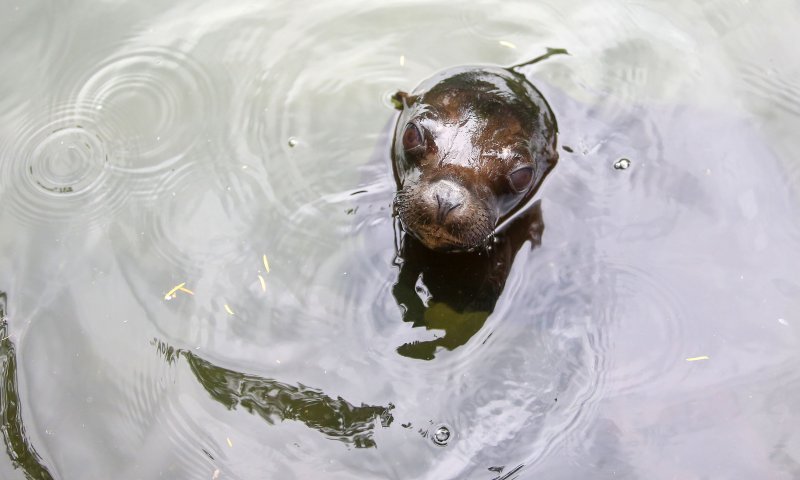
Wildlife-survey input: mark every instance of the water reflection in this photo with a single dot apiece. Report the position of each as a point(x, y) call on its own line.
point(457, 292)
point(274, 401)
point(22, 454)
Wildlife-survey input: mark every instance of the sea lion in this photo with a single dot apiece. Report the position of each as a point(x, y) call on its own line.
point(471, 146)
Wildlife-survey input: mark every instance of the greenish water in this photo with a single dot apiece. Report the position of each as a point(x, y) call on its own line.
point(654, 331)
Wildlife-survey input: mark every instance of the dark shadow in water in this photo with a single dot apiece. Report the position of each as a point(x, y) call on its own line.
point(276, 401)
point(510, 475)
point(456, 292)
point(18, 447)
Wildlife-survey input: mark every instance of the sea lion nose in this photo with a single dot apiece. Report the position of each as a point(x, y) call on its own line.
point(448, 197)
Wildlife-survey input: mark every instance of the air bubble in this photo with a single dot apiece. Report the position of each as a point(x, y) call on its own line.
point(441, 435)
point(622, 164)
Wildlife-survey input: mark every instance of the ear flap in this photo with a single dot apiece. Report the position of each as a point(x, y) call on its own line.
point(400, 100)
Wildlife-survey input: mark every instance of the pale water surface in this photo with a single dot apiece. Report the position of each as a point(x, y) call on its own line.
point(150, 144)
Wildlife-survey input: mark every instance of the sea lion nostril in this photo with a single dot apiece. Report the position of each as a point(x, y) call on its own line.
point(447, 197)
point(445, 205)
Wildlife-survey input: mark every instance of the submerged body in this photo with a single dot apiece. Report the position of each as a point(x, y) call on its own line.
point(471, 146)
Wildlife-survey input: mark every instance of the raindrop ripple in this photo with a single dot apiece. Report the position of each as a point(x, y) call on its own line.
point(165, 98)
point(57, 169)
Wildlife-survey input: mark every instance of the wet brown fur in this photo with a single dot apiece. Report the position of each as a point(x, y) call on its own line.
point(479, 125)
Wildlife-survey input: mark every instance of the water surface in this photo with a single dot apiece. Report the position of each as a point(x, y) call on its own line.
point(237, 150)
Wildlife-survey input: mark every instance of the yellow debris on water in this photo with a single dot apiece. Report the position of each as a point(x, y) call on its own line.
point(228, 309)
point(263, 283)
point(181, 287)
point(230, 444)
point(507, 44)
point(402, 60)
point(694, 359)
point(266, 263)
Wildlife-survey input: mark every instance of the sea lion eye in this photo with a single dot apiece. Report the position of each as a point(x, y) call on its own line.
point(521, 179)
point(412, 137)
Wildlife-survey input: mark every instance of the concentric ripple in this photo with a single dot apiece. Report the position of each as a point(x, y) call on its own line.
point(208, 216)
point(509, 19)
point(57, 168)
point(165, 99)
point(644, 308)
point(151, 409)
point(296, 100)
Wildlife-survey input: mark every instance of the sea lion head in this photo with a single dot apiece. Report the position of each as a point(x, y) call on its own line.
point(471, 146)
